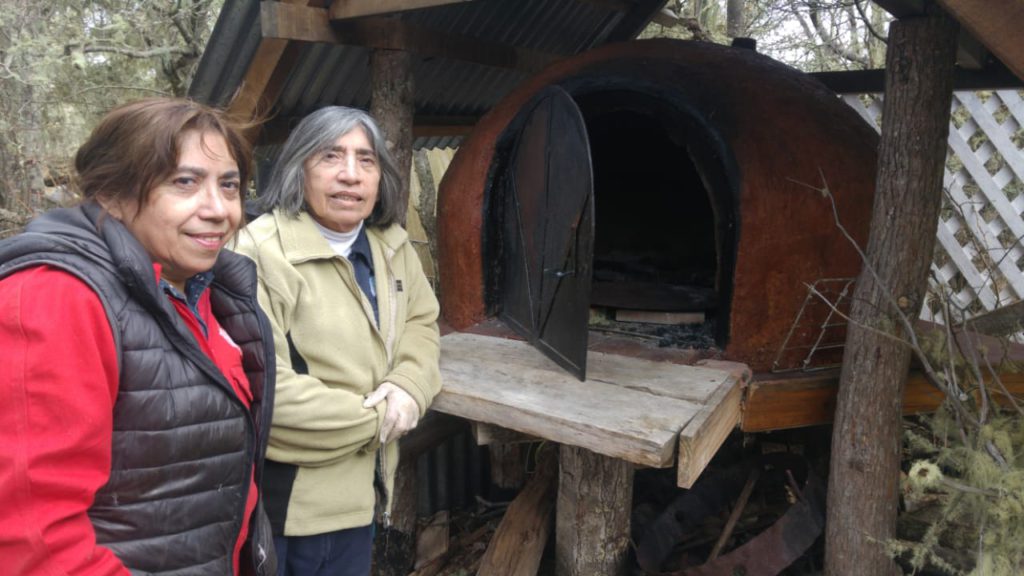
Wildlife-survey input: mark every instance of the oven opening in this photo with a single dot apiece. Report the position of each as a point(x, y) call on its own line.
point(661, 257)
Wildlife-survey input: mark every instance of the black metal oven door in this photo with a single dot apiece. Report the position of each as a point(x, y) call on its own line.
point(548, 230)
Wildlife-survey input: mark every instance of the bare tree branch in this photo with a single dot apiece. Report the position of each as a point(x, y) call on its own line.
point(132, 52)
point(814, 13)
point(867, 22)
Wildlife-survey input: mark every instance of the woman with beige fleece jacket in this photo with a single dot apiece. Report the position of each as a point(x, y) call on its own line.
point(355, 331)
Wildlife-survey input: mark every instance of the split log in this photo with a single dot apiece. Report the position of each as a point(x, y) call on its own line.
point(518, 544)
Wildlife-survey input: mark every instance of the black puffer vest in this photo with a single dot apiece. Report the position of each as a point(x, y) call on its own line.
point(183, 444)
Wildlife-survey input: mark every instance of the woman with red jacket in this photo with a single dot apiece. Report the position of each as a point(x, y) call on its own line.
point(137, 368)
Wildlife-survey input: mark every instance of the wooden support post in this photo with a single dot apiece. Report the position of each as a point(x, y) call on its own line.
point(392, 105)
point(595, 495)
point(864, 479)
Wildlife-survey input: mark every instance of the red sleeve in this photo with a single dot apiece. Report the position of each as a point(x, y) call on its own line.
point(58, 381)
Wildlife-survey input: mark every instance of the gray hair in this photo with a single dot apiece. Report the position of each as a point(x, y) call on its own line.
point(317, 133)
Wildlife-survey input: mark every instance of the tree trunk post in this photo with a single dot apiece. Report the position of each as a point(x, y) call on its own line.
point(392, 105)
point(595, 496)
point(864, 478)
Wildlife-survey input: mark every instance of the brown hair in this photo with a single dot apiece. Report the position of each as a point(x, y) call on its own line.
point(135, 147)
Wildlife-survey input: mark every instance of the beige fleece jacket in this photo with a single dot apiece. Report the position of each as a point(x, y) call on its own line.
point(312, 298)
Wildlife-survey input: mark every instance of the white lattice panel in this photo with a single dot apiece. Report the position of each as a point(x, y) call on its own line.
point(979, 254)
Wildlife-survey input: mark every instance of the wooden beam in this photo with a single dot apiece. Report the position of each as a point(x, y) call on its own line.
point(995, 23)
point(778, 402)
point(970, 53)
point(992, 77)
point(427, 126)
point(267, 72)
point(488, 435)
point(398, 35)
point(999, 322)
point(666, 17)
point(305, 24)
point(635, 20)
point(614, 5)
point(902, 8)
point(440, 130)
point(344, 9)
point(277, 129)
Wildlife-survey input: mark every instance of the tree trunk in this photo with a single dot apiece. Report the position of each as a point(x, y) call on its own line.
point(392, 105)
point(595, 496)
point(864, 478)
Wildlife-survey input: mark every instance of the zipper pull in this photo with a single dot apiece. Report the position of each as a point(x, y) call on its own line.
point(261, 557)
point(387, 520)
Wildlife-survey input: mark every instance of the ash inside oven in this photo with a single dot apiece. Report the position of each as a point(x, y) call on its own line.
point(693, 333)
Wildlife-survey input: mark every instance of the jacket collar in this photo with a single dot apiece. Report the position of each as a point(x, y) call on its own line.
point(392, 237)
point(301, 241)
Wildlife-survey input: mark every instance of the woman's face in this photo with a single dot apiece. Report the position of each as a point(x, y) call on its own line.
point(192, 214)
point(342, 182)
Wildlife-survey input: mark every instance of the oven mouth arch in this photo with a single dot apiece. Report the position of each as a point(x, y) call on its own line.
point(665, 116)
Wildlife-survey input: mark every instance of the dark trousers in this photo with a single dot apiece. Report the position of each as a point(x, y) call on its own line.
point(342, 553)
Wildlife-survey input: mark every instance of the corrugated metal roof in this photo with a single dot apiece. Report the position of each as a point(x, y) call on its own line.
point(330, 74)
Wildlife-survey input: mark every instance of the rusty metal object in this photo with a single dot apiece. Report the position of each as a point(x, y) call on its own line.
point(766, 554)
point(776, 136)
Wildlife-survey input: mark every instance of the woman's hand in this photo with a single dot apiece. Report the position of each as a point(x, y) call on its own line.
point(402, 413)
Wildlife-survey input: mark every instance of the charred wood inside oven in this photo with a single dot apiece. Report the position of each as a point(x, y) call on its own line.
point(655, 245)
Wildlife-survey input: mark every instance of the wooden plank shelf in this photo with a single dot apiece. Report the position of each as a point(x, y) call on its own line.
point(629, 408)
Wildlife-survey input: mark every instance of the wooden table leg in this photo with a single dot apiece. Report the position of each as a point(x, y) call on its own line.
point(595, 496)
